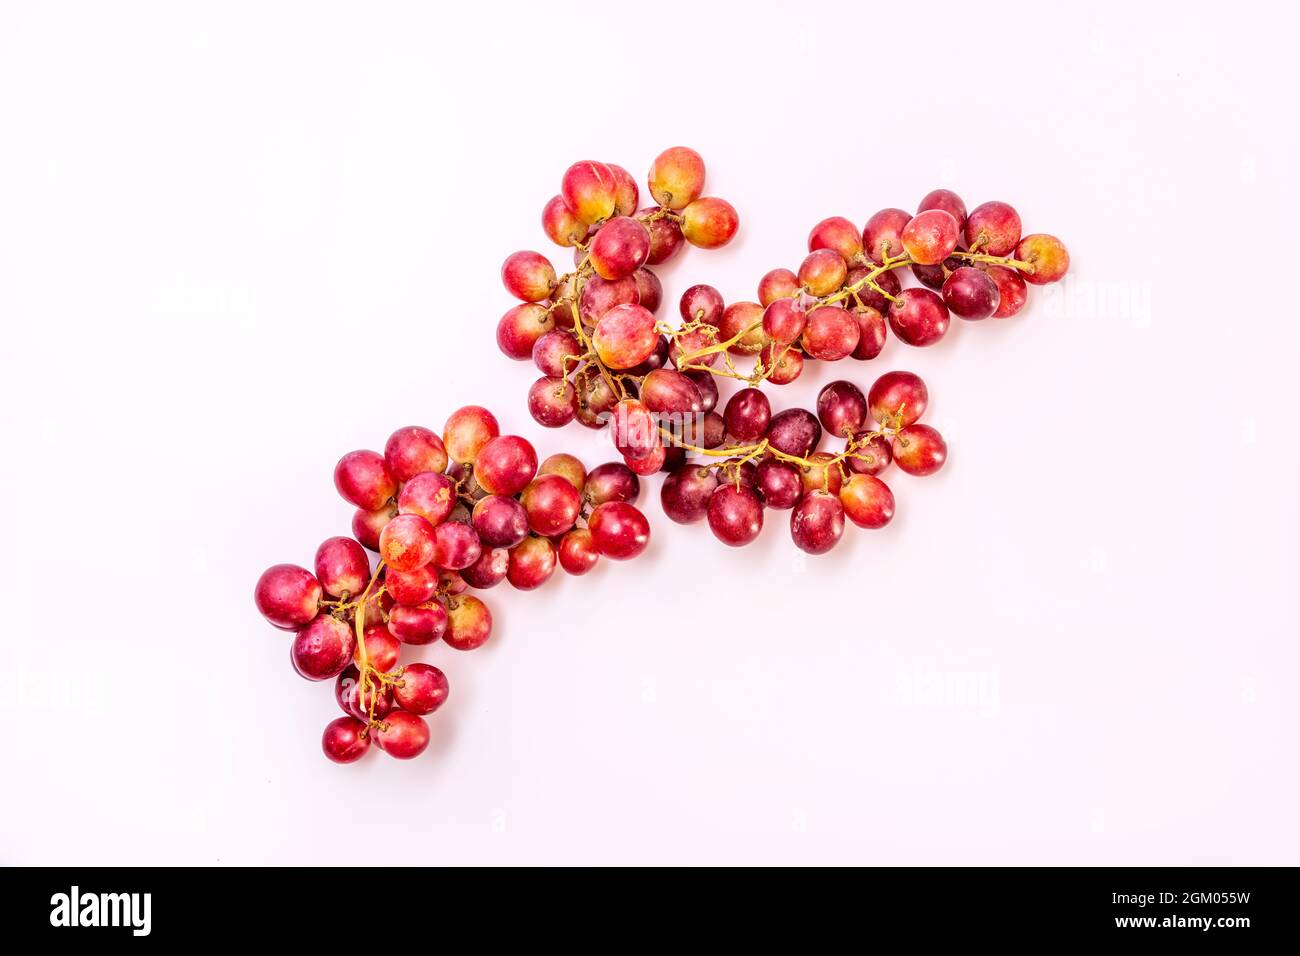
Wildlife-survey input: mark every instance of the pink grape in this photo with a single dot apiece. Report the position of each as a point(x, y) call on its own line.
point(528, 276)
point(412, 450)
point(918, 317)
point(735, 514)
point(288, 596)
point(993, 228)
point(920, 450)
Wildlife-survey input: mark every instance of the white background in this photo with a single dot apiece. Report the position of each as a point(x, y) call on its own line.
point(238, 240)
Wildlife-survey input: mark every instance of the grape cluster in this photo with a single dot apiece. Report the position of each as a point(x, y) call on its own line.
point(607, 362)
point(471, 508)
point(468, 509)
point(593, 330)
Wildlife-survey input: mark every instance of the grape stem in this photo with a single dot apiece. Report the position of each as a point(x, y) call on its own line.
point(360, 619)
point(745, 453)
point(1006, 261)
point(370, 680)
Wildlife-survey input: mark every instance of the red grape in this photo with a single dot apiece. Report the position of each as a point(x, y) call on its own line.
point(918, 317)
point(412, 450)
point(783, 321)
point(887, 281)
point(817, 522)
point(676, 177)
point(422, 689)
point(1046, 254)
point(342, 567)
point(552, 504)
point(702, 303)
point(871, 456)
point(489, 570)
point(345, 740)
point(794, 431)
point(1011, 291)
point(665, 237)
point(626, 193)
point(735, 514)
point(368, 525)
point(322, 649)
point(288, 596)
point(429, 495)
point(458, 545)
point(596, 400)
point(777, 284)
point(528, 276)
point(871, 332)
point(743, 321)
point(920, 450)
point(521, 327)
point(467, 430)
point(635, 432)
point(709, 223)
point(469, 623)
point(785, 363)
point(407, 542)
point(707, 385)
point(362, 478)
point(779, 483)
point(882, 236)
point(501, 521)
point(553, 402)
point(820, 474)
point(930, 237)
point(561, 224)
point(421, 624)
point(532, 562)
point(505, 465)
point(652, 462)
point(591, 191)
point(599, 296)
point(612, 481)
point(686, 492)
point(620, 248)
point(666, 391)
point(838, 234)
point(867, 501)
point(412, 587)
point(625, 336)
point(895, 394)
point(822, 272)
point(382, 648)
point(578, 553)
point(567, 466)
point(649, 290)
point(970, 293)
point(948, 201)
point(747, 415)
point(993, 229)
point(686, 344)
point(618, 530)
point(831, 334)
point(402, 735)
point(841, 408)
point(556, 354)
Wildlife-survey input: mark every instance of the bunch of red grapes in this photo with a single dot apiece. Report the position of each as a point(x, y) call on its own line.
point(471, 508)
point(607, 362)
point(468, 509)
